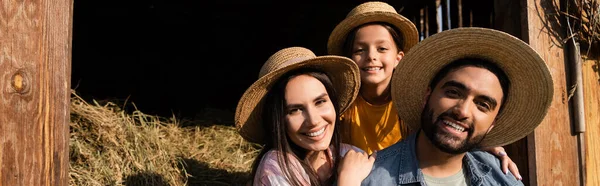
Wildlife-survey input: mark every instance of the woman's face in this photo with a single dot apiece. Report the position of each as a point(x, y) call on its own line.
point(310, 115)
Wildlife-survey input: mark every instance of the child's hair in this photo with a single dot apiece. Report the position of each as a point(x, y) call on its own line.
point(274, 113)
point(396, 35)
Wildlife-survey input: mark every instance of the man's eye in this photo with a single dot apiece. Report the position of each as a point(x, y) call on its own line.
point(452, 93)
point(483, 106)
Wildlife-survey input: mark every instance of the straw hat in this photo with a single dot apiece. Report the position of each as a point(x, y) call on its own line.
point(342, 71)
point(372, 12)
point(531, 86)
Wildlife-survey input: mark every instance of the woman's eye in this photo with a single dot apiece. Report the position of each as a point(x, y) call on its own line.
point(294, 111)
point(321, 101)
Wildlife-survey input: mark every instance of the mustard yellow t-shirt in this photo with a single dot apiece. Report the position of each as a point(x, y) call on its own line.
point(372, 127)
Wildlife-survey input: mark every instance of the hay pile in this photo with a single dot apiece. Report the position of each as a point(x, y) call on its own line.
point(111, 147)
point(584, 21)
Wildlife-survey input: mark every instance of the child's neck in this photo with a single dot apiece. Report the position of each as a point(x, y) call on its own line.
point(376, 94)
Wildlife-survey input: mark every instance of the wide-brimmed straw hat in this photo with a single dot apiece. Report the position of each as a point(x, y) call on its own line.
point(530, 91)
point(372, 12)
point(342, 72)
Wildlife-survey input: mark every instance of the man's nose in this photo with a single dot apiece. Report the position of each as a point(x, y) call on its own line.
point(462, 110)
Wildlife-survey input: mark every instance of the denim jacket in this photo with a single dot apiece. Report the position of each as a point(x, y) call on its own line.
point(398, 165)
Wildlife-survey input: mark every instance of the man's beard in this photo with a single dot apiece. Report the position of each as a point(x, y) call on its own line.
point(444, 141)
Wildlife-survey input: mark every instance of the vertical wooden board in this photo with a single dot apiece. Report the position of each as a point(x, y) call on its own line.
point(553, 151)
point(35, 65)
point(591, 97)
point(507, 18)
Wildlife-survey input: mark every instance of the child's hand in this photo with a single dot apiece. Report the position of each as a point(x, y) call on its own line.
point(506, 162)
point(354, 167)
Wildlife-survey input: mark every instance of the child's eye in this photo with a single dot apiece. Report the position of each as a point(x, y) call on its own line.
point(358, 51)
point(383, 49)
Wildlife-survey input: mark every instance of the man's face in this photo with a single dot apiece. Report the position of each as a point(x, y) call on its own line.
point(461, 109)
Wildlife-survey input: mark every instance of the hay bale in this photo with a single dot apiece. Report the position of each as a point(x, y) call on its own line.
point(111, 147)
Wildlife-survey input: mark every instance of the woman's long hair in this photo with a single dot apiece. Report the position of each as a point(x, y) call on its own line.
point(273, 118)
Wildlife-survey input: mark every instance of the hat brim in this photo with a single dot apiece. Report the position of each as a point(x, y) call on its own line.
point(406, 28)
point(531, 86)
point(342, 72)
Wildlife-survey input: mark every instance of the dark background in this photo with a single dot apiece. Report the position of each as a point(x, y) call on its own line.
point(194, 59)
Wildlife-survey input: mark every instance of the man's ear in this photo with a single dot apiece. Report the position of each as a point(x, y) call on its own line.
point(426, 97)
point(491, 127)
point(398, 58)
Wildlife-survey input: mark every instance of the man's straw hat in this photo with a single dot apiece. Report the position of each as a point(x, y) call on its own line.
point(531, 86)
point(342, 71)
point(372, 12)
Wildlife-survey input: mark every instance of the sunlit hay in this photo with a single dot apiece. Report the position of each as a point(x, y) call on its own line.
point(108, 146)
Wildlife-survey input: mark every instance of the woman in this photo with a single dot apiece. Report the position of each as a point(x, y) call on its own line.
point(293, 109)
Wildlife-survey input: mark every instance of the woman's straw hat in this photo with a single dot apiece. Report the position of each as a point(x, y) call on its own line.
point(531, 87)
point(372, 12)
point(342, 71)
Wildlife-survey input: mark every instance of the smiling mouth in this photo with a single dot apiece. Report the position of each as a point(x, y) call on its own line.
point(316, 133)
point(454, 126)
point(371, 68)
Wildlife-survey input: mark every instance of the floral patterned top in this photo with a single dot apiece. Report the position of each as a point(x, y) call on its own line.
point(269, 172)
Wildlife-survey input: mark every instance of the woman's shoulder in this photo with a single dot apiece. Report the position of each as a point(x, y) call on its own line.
point(269, 171)
point(269, 160)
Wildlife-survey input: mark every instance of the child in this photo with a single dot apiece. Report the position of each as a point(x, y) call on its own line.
point(376, 37)
point(293, 109)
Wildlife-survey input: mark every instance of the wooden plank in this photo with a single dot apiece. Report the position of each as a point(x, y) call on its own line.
point(460, 12)
point(35, 69)
point(507, 16)
point(591, 97)
point(438, 16)
point(552, 148)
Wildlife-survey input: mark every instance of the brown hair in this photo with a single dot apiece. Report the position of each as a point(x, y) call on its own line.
point(396, 35)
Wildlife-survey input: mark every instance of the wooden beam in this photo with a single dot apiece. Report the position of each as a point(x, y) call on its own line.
point(507, 18)
point(591, 97)
point(552, 147)
point(35, 69)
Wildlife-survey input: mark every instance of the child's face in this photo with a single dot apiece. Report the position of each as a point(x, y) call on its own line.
point(310, 114)
point(376, 54)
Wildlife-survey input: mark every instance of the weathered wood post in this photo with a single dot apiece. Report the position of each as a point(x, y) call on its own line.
point(35, 70)
point(549, 156)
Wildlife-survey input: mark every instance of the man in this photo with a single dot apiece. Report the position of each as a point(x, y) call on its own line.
point(461, 90)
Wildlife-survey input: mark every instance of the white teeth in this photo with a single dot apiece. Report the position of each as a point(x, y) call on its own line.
point(372, 68)
point(455, 126)
point(313, 134)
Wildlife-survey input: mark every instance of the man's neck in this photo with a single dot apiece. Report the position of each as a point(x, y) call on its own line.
point(434, 162)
